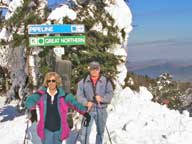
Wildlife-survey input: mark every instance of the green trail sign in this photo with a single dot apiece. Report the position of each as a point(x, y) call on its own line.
point(56, 40)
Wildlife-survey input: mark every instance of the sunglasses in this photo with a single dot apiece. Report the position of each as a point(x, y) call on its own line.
point(94, 69)
point(53, 81)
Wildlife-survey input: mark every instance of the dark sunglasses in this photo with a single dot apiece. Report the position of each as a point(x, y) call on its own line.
point(51, 81)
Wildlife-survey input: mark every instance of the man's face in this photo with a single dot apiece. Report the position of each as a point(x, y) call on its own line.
point(94, 72)
point(51, 82)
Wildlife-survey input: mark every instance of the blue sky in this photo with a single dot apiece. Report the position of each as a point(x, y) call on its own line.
point(163, 30)
point(52, 2)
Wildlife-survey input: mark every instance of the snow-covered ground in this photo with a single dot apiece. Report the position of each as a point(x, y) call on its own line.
point(138, 120)
point(133, 119)
point(12, 124)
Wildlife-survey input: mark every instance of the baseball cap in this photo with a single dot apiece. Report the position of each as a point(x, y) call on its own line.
point(94, 65)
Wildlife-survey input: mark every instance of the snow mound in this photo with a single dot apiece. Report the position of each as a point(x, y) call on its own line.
point(60, 12)
point(137, 120)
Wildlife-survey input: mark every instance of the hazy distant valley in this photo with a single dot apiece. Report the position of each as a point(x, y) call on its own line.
point(181, 70)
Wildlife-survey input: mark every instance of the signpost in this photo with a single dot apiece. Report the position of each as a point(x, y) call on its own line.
point(55, 29)
point(63, 67)
point(56, 40)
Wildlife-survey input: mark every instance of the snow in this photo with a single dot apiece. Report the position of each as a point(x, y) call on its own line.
point(123, 73)
point(3, 53)
point(4, 34)
point(12, 124)
point(138, 120)
point(60, 12)
point(5, 2)
point(13, 5)
point(123, 19)
point(133, 118)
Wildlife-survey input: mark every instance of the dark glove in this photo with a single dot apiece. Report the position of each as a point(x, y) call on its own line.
point(70, 120)
point(33, 115)
point(87, 119)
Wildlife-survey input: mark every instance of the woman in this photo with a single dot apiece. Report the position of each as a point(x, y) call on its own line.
point(53, 106)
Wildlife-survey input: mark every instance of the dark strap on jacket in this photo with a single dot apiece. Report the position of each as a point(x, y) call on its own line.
point(94, 87)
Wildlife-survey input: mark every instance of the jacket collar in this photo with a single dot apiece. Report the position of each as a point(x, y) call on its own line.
point(60, 90)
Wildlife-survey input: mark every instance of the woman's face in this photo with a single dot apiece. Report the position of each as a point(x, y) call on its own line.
point(51, 83)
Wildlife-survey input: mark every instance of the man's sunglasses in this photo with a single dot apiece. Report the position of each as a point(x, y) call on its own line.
point(96, 69)
point(53, 81)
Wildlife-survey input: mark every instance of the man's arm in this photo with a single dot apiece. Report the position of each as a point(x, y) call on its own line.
point(81, 98)
point(108, 93)
point(80, 94)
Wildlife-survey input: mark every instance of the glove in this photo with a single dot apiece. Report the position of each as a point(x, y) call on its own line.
point(32, 116)
point(87, 119)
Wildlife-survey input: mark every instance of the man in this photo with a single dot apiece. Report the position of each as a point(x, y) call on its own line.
point(95, 91)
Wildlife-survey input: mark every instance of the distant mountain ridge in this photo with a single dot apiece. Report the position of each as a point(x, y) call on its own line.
point(181, 70)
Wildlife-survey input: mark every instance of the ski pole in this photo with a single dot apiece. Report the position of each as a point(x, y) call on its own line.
point(86, 136)
point(98, 122)
point(83, 123)
point(108, 134)
point(106, 123)
point(86, 132)
point(78, 132)
point(26, 132)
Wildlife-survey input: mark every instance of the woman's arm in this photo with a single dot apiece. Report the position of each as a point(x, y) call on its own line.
point(74, 104)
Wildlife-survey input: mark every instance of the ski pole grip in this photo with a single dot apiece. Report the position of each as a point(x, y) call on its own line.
point(87, 119)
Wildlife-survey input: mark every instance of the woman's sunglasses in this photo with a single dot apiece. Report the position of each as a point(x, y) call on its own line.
point(53, 81)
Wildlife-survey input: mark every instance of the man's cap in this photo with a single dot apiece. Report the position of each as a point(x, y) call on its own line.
point(94, 65)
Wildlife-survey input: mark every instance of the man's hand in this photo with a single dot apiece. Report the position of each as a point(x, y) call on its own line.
point(98, 99)
point(89, 105)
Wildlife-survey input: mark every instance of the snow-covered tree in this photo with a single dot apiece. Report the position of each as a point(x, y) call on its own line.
point(14, 44)
point(164, 81)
